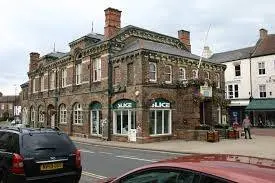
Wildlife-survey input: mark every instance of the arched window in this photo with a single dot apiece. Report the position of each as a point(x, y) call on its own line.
point(77, 116)
point(41, 114)
point(207, 75)
point(182, 75)
point(152, 71)
point(62, 114)
point(218, 80)
point(32, 114)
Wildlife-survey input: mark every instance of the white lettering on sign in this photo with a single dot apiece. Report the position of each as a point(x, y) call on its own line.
point(124, 105)
point(161, 105)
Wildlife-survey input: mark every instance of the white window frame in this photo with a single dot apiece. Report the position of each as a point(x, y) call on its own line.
point(78, 114)
point(52, 81)
point(10, 106)
point(41, 115)
point(33, 85)
point(78, 74)
point(42, 83)
point(2, 106)
point(98, 124)
point(261, 68)
point(194, 74)
point(262, 89)
point(218, 80)
point(170, 73)
point(130, 113)
point(182, 74)
point(155, 121)
point(232, 94)
point(32, 115)
point(237, 70)
point(63, 78)
point(97, 70)
point(154, 71)
point(62, 114)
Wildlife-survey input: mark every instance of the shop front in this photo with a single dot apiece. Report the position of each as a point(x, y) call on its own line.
point(124, 116)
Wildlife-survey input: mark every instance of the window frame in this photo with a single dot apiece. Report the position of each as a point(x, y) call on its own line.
point(33, 85)
point(62, 114)
point(78, 74)
point(261, 91)
point(154, 72)
point(182, 74)
point(32, 114)
point(41, 117)
point(238, 71)
point(52, 80)
point(42, 83)
point(194, 74)
point(170, 74)
point(261, 68)
point(63, 78)
point(77, 114)
point(218, 80)
point(155, 133)
point(232, 94)
point(97, 70)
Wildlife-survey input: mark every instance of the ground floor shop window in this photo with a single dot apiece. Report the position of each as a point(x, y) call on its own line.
point(160, 122)
point(123, 121)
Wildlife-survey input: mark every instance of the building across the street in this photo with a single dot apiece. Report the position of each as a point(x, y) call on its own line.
point(128, 81)
point(250, 80)
point(9, 106)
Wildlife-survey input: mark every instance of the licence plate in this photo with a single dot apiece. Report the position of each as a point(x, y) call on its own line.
point(51, 166)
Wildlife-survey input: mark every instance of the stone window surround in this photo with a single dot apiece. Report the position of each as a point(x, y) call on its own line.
point(78, 73)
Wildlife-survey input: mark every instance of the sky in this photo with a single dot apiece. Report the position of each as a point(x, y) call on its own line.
point(36, 25)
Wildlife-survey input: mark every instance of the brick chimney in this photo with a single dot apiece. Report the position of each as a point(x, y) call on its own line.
point(34, 58)
point(112, 22)
point(263, 33)
point(184, 37)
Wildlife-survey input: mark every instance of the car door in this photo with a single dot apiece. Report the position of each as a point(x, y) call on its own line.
point(161, 175)
point(6, 150)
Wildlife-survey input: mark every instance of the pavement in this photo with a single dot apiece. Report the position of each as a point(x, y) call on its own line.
point(258, 146)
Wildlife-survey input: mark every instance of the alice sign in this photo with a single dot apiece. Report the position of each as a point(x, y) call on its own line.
point(124, 104)
point(160, 103)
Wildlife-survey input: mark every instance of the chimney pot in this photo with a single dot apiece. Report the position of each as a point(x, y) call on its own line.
point(184, 37)
point(263, 33)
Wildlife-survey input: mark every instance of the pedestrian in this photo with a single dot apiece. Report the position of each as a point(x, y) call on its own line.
point(247, 126)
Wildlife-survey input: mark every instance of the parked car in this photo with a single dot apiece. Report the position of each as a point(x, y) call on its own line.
point(203, 169)
point(38, 155)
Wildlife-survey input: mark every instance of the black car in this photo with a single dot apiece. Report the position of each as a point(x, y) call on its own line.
point(30, 155)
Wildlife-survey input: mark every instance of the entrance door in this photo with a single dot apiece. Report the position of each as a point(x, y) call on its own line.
point(53, 121)
point(95, 123)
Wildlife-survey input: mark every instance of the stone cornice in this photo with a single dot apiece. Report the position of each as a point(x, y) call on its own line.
point(149, 35)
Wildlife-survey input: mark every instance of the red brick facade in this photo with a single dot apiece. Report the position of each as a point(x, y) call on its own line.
point(119, 88)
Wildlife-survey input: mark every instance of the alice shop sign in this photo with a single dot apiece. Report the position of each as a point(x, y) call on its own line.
point(160, 103)
point(124, 104)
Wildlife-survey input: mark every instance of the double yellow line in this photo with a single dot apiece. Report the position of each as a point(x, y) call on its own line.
point(93, 175)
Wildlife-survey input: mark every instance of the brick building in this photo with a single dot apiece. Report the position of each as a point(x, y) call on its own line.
point(128, 78)
point(9, 106)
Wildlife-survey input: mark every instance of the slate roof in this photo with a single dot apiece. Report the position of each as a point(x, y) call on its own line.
point(158, 47)
point(26, 84)
point(6, 99)
point(232, 55)
point(56, 54)
point(95, 36)
point(263, 47)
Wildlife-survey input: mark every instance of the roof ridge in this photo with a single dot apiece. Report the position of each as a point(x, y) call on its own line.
point(234, 50)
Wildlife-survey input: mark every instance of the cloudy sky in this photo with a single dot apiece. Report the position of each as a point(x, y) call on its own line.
point(35, 25)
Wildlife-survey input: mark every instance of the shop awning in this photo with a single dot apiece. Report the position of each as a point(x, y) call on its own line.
point(261, 105)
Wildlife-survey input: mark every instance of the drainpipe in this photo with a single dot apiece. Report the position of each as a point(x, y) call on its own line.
point(250, 76)
point(110, 91)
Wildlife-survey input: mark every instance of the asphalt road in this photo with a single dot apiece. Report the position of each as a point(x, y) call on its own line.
point(99, 162)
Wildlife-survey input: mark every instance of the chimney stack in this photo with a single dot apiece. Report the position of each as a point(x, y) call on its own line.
point(263, 33)
point(184, 37)
point(112, 22)
point(34, 58)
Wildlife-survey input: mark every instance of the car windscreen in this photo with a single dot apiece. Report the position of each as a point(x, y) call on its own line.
point(53, 142)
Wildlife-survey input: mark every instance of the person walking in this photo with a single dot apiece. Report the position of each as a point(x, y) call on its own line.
point(247, 125)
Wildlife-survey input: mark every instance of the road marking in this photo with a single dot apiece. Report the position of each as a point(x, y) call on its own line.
point(86, 151)
point(135, 158)
point(89, 174)
point(105, 153)
point(132, 149)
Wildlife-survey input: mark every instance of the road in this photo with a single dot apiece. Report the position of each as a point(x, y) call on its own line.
point(100, 161)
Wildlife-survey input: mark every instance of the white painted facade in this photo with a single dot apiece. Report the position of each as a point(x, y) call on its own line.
point(267, 79)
